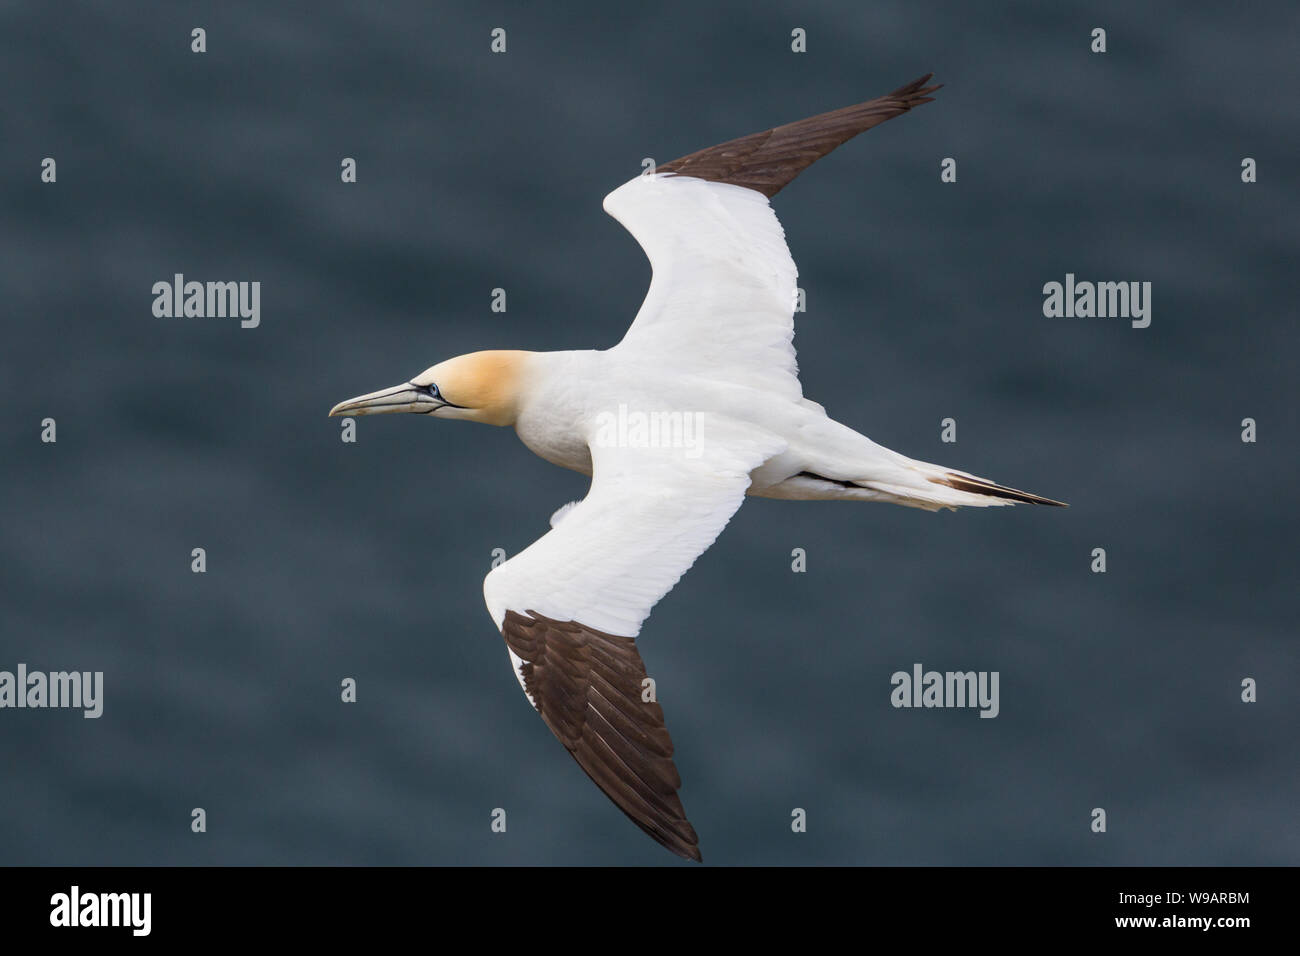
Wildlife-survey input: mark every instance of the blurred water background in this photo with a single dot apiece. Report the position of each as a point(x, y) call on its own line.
point(329, 560)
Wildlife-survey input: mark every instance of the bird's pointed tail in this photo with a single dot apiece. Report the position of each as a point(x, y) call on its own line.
point(969, 484)
point(923, 485)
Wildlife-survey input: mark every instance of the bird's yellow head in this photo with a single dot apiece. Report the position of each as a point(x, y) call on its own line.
point(478, 387)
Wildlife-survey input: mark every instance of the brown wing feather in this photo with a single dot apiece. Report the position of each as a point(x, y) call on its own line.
point(587, 686)
point(770, 160)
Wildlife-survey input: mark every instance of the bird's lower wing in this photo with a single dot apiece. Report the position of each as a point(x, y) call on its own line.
point(570, 606)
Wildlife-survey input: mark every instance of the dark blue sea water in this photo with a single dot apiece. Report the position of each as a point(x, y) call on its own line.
point(328, 560)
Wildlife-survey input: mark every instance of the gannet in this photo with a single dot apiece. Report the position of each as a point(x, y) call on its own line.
point(709, 358)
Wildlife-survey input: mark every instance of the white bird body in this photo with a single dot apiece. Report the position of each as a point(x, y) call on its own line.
point(699, 405)
point(567, 393)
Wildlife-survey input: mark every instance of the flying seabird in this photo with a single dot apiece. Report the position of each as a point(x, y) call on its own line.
point(698, 406)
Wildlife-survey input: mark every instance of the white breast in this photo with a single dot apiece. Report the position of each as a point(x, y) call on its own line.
point(563, 389)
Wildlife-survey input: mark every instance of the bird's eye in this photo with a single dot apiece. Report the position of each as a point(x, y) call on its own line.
point(432, 389)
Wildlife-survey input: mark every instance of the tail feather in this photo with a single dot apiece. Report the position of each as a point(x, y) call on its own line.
point(920, 484)
point(979, 486)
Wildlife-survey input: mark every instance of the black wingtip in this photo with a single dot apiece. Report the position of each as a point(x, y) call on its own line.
point(916, 92)
point(769, 161)
point(586, 685)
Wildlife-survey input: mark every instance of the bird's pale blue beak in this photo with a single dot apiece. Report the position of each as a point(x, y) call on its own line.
point(399, 398)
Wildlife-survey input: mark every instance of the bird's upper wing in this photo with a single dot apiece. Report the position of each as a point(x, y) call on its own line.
point(722, 296)
point(571, 604)
point(721, 301)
